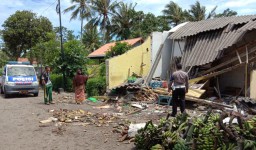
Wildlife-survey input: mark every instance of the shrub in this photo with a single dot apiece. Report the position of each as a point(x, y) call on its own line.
point(57, 81)
point(118, 49)
point(96, 86)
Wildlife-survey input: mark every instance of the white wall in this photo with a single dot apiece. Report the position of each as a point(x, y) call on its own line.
point(166, 55)
point(156, 42)
point(164, 63)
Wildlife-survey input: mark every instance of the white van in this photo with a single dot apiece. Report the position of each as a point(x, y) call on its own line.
point(19, 78)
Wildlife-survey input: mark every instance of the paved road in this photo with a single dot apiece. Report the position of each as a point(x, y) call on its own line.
point(19, 128)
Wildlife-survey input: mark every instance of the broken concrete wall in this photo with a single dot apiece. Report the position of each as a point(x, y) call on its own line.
point(136, 60)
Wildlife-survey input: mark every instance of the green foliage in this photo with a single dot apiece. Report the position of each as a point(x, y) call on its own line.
point(57, 81)
point(91, 38)
point(46, 52)
point(147, 137)
point(102, 72)
point(96, 86)
point(145, 24)
point(75, 57)
point(102, 12)
point(79, 9)
point(123, 20)
point(118, 49)
point(4, 59)
point(174, 13)
point(24, 30)
point(67, 35)
point(226, 13)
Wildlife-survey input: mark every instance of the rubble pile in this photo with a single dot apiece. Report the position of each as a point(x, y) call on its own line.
point(64, 117)
point(69, 116)
point(225, 130)
point(146, 94)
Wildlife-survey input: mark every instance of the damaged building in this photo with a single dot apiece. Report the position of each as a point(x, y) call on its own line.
point(219, 52)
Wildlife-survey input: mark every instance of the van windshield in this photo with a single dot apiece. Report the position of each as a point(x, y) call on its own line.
point(20, 71)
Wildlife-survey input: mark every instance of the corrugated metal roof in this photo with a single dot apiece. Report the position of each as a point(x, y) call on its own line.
point(193, 28)
point(207, 45)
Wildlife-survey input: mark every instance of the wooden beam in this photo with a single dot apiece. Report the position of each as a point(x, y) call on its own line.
point(252, 50)
point(246, 49)
point(238, 56)
point(215, 73)
point(203, 101)
point(218, 86)
point(246, 79)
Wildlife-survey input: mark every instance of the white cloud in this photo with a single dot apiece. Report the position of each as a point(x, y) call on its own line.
point(248, 11)
point(239, 3)
point(45, 8)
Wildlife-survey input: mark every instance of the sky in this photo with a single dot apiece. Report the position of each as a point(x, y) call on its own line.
point(47, 8)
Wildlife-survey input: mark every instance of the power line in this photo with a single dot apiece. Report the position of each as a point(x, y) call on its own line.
point(48, 7)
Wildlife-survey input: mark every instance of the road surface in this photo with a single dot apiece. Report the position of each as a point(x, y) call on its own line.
point(19, 128)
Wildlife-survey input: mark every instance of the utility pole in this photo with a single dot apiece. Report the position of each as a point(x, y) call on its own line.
point(61, 45)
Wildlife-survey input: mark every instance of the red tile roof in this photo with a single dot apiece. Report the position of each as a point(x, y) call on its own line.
point(103, 49)
point(26, 60)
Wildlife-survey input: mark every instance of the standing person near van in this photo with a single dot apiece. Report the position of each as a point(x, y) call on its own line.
point(79, 83)
point(46, 81)
point(179, 86)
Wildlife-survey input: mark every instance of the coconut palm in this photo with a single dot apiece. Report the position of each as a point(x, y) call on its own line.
point(91, 38)
point(123, 20)
point(174, 13)
point(197, 12)
point(102, 11)
point(80, 9)
point(226, 13)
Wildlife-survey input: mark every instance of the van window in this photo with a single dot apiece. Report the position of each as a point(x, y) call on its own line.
point(20, 71)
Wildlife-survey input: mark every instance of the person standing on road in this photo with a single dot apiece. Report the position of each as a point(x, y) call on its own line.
point(79, 84)
point(47, 84)
point(179, 87)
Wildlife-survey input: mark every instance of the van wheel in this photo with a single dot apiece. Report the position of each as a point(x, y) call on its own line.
point(6, 95)
point(1, 89)
point(35, 94)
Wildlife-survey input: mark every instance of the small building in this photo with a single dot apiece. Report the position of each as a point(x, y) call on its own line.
point(100, 53)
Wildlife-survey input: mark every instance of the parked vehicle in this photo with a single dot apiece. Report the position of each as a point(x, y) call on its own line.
point(19, 78)
point(0, 80)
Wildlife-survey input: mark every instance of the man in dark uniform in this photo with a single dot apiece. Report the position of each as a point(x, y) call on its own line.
point(47, 86)
point(179, 87)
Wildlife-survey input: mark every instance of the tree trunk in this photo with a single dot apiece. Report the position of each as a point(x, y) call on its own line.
point(82, 21)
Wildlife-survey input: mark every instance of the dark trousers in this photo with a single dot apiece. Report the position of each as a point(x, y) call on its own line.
point(178, 98)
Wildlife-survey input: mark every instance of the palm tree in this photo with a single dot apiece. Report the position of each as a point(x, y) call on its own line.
point(226, 13)
point(102, 12)
point(174, 13)
point(80, 8)
point(197, 12)
point(91, 38)
point(123, 20)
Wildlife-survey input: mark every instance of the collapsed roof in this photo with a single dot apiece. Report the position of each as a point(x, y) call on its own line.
point(206, 39)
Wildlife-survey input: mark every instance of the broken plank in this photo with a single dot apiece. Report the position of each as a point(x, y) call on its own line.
point(238, 56)
point(133, 112)
point(197, 93)
point(214, 74)
point(203, 101)
point(253, 85)
point(251, 51)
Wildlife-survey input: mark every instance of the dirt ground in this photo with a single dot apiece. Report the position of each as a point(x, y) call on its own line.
point(20, 128)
